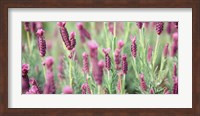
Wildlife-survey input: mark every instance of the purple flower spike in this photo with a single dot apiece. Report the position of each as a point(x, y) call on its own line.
point(159, 27)
point(85, 63)
point(169, 27)
point(175, 87)
point(41, 42)
point(149, 54)
point(67, 90)
point(49, 62)
point(146, 24)
point(34, 88)
point(107, 58)
point(49, 87)
point(39, 25)
point(98, 72)
point(165, 50)
point(174, 47)
point(151, 91)
point(175, 70)
point(111, 27)
point(93, 46)
point(83, 32)
point(26, 26)
point(25, 79)
point(61, 68)
point(124, 64)
point(139, 24)
point(64, 35)
point(120, 44)
point(85, 88)
point(117, 58)
point(134, 47)
point(143, 85)
point(72, 39)
point(33, 27)
point(176, 24)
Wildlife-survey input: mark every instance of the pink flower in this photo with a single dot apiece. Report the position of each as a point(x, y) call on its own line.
point(152, 91)
point(120, 44)
point(159, 27)
point(41, 42)
point(134, 47)
point(85, 63)
point(143, 85)
point(67, 90)
point(124, 64)
point(107, 58)
point(117, 58)
point(139, 24)
point(165, 50)
point(85, 88)
point(149, 54)
point(93, 46)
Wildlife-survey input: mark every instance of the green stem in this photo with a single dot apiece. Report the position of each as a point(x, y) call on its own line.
point(29, 43)
point(99, 89)
point(155, 52)
point(70, 75)
point(109, 82)
point(123, 84)
point(44, 70)
point(106, 35)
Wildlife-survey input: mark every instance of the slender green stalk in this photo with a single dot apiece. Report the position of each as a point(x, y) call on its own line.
point(99, 89)
point(70, 71)
point(109, 82)
point(106, 35)
point(44, 70)
point(29, 43)
point(123, 84)
point(155, 52)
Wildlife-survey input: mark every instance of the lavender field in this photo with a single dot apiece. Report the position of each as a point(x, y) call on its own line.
point(99, 58)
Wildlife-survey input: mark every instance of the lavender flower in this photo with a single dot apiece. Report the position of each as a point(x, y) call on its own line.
point(174, 46)
point(67, 90)
point(85, 63)
point(175, 70)
point(111, 27)
point(176, 24)
point(49, 63)
point(64, 35)
point(143, 85)
point(169, 27)
point(107, 58)
point(134, 47)
point(175, 86)
point(25, 79)
point(149, 54)
point(117, 58)
point(33, 27)
point(146, 24)
point(165, 50)
point(49, 87)
point(41, 42)
point(93, 46)
point(26, 26)
point(98, 73)
point(34, 88)
point(83, 32)
point(39, 25)
point(72, 54)
point(159, 27)
point(120, 44)
point(61, 68)
point(72, 39)
point(166, 91)
point(85, 88)
point(151, 91)
point(139, 24)
point(124, 64)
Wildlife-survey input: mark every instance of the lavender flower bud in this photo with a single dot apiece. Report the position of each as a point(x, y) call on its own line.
point(124, 64)
point(33, 27)
point(107, 58)
point(25, 79)
point(85, 63)
point(176, 24)
point(143, 85)
point(49, 63)
point(49, 87)
point(120, 44)
point(134, 47)
point(41, 42)
point(98, 72)
point(93, 46)
point(72, 39)
point(139, 24)
point(174, 46)
point(165, 50)
point(175, 70)
point(151, 91)
point(85, 88)
point(169, 27)
point(67, 90)
point(117, 58)
point(175, 86)
point(26, 26)
point(39, 25)
point(64, 35)
point(146, 24)
point(83, 32)
point(149, 54)
point(159, 27)
point(35, 88)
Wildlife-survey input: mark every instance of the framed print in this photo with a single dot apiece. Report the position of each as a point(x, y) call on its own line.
point(70, 58)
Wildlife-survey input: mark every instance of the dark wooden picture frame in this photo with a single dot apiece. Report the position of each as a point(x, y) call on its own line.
point(5, 4)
